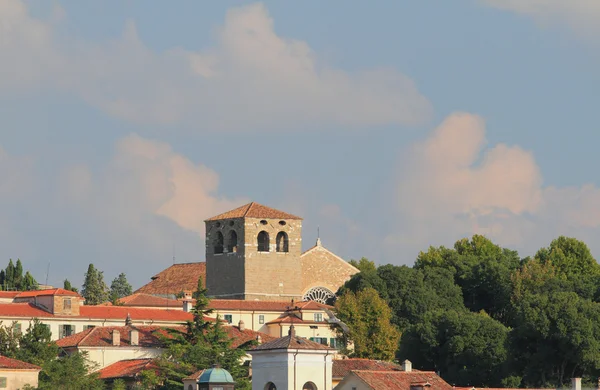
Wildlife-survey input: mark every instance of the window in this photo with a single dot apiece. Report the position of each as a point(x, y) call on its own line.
point(67, 304)
point(219, 243)
point(86, 327)
point(263, 241)
point(309, 386)
point(320, 340)
point(270, 386)
point(320, 294)
point(282, 242)
point(261, 318)
point(228, 318)
point(65, 330)
point(333, 343)
point(16, 327)
point(232, 242)
point(190, 387)
point(3, 382)
point(319, 317)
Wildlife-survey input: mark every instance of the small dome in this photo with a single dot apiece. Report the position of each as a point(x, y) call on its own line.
point(215, 375)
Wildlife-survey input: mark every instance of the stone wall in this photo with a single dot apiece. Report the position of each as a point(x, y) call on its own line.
point(322, 268)
point(225, 273)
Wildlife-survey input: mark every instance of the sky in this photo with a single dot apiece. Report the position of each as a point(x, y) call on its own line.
point(389, 126)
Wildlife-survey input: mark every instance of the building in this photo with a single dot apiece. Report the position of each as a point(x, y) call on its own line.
point(129, 371)
point(292, 362)
point(175, 279)
point(392, 380)
point(64, 313)
point(342, 367)
point(215, 378)
point(14, 374)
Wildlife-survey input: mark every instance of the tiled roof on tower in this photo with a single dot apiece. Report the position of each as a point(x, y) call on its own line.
point(254, 210)
point(176, 278)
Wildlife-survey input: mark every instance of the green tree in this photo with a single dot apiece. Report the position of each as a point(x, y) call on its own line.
point(18, 276)
point(369, 320)
point(119, 384)
point(9, 340)
point(95, 291)
point(70, 372)
point(364, 265)
point(29, 283)
point(67, 286)
point(468, 349)
point(36, 345)
point(10, 276)
point(120, 288)
point(2, 279)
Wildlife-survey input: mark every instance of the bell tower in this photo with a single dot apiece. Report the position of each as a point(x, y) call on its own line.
point(253, 253)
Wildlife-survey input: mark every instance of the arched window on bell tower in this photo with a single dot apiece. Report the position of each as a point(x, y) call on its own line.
point(263, 241)
point(282, 242)
point(232, 241)
point(219, 243)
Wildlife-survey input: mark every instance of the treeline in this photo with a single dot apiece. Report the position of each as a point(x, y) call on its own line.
point(482, 316)
point(96, 291)
point(12, 278)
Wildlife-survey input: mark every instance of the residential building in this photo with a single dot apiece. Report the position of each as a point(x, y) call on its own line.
point(14, 374)
point(392, 380)
point(342, 367)
point(129, 371)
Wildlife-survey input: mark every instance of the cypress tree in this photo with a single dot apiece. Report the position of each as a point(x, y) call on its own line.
point(18, 276)
point(95, 291)
point(10, 275)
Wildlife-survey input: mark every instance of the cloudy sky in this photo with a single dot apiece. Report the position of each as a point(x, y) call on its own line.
point(391, 126)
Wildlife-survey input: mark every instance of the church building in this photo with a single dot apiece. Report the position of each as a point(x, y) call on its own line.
point(254, 252)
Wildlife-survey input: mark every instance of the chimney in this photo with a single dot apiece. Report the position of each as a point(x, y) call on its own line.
point(134, 337)
point(292, 333)
point(259, 340)
point(407, 366)
point(187, 305)
point(575, 383)
point(116, 338)
point(242, 325)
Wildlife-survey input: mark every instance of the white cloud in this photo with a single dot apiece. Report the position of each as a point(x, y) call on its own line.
point(251, 78)
point(582, 16)
point(452, 185)
point(125, 216)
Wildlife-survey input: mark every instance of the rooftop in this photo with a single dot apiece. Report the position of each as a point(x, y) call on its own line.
point(176, 278)
point(342, 367)
point(40, 293)
point(291, 341)
point(147, 300)
point(237, 304)
point(126, 368)
point(14, 364)
point(254, 210)
point(401, 380)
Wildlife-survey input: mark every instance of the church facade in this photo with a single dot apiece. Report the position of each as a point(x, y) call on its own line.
point(254, 252)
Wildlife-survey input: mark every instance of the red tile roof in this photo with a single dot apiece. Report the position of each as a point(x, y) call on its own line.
point(194, 376)
point(14, 364)
point(101, 336)
point(127, 368)
point(147, 300)
point(342, 367)
point(115, 312)
point(241, 337)
point(254, 210)
point(53, 291)
point(176, 278)
point(238, 304)
point(292, 319)
point(9, 294)
point(97, 312)
point(291, 341)
point(401, 380)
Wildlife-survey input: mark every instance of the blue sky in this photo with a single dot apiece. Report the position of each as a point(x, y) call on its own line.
point(391, 126)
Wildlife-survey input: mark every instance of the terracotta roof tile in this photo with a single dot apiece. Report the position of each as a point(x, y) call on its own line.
point(176, 278)
point(14, 364)
point(39, 293)
point(292, 319)
point(126, 368)
point(241, 337)
point(254, 210)
point(101, 336)
point(291, 341)
point(9, 294)
point(147, 300)
point(23, 310)
point(401, 380)
point(194, 376)
point(342, 367)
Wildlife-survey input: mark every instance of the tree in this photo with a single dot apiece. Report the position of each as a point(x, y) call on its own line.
point(119, 384)
point(18, 276)
point(364, 265)
point(70, 372)
point(10, 276)
point(9, 341)
point(29, 283)
point(36, 345)
point(468, 349)
point(120, 288)
point(94, 289)
point(370, 330)
point(67, 286)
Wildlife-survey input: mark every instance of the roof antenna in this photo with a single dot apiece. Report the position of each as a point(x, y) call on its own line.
point(47, 273)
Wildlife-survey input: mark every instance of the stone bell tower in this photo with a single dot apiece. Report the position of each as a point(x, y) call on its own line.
point(253, 253)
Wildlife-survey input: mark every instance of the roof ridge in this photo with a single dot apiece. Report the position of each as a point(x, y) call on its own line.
point(89, 330)
point(250, 205)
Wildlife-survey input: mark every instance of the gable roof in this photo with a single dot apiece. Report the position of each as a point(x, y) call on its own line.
point(253, 210)
point(126, 368)
point(41, 293)
point(400, 380)
point(14, 364)
point(241, 337)
point(342, 367)
point(147, 300)
point(176, 278)
point(291, 341)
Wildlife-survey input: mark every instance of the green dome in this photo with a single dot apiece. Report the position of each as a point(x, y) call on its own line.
point(216, 375)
